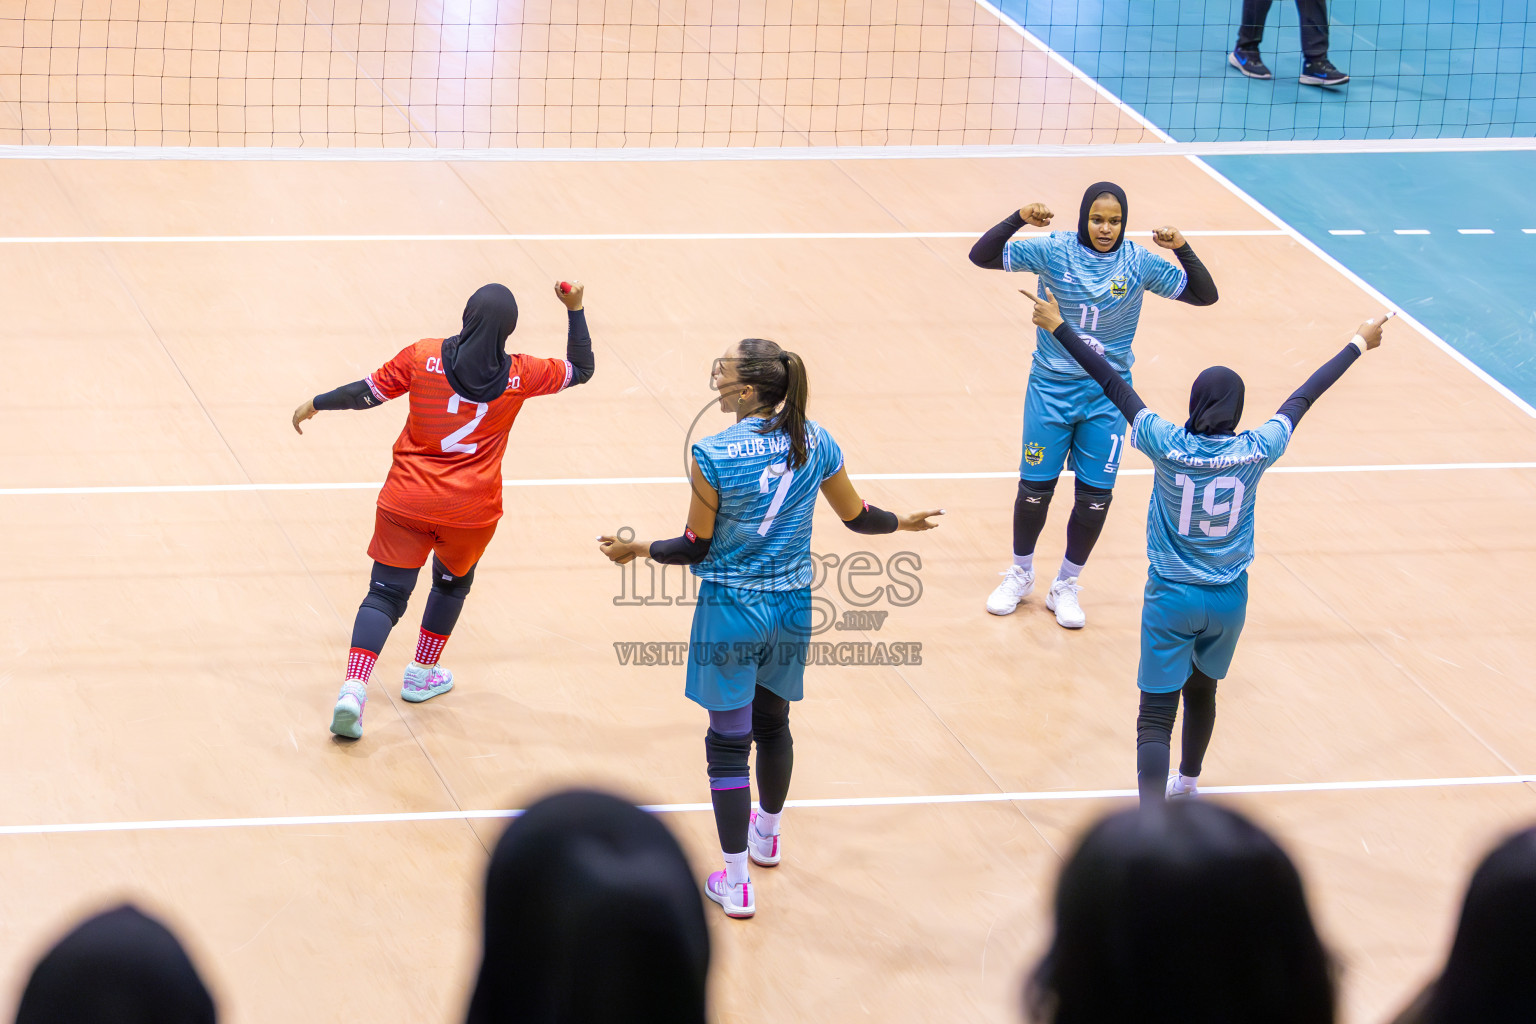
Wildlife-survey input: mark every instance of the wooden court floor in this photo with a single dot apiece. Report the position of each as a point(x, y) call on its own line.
point(172, 648)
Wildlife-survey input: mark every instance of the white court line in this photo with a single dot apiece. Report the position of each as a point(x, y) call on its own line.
point(1410, 231)
point(623, 481)
point(750, 236)
point(1474, 231)
point(668, 154)
point(1345, 231)
point(401, 817)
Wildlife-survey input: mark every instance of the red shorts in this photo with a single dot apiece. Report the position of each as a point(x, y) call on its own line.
point(404, 542)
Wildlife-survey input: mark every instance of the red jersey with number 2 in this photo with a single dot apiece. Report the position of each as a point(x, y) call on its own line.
point(447, 465)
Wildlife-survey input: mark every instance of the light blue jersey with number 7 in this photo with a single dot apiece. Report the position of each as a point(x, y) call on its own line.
point(763, 526)
point(1200, 522)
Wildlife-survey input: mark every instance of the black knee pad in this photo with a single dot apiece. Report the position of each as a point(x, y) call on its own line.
point(770, 720)
point(1092, 502)
point(727, 755)
point(1036, 492)
point(1154, 722)
point(389, 590)
point(449, 585)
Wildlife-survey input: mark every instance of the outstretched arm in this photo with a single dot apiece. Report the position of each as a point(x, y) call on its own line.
point(690, 548)
point(357, 395)
point(1367, 336)
point(1124, 397)
point(987, 253)
point(1199, 289)
point(862, 517)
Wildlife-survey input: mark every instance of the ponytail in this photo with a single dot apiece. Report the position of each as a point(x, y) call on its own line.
point(780, 379)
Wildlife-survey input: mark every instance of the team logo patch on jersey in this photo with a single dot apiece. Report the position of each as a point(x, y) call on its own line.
point(1119, 287)
point(1034, 454)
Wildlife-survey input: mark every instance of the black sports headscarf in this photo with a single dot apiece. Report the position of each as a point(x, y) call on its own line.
point(1095, 190)
point(592, 916)
point(1215, 402)
point(475, 360)
point(119, 967)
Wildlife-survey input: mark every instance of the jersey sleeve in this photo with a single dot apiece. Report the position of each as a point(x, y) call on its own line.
point(1151, 434)
point(1030, 255)
point(707, 468)
point(1273, 438)
point(829, 454)
point(393, 379)
point(1161, 277)
point(542, 376)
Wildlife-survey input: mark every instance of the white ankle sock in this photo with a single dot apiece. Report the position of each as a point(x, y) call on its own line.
point(1069, 570)
point(736, 867)
point(1025, 562)
point(768, 824)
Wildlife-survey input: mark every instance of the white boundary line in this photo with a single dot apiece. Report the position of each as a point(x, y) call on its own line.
point(624, 481)
point(176, 824)
point(1268, 214)
point(751, 236)
point(748, 153)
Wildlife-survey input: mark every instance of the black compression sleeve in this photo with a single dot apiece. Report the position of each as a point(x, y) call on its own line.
point(578, 347)
point(357, 395)
point(689, 549)
point(1302, 398)
point(1115, 388)
point(1199, 290)
point(872, 520)
point(987, 253)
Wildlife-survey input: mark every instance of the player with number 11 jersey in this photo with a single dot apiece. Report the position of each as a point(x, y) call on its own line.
point(443, 493)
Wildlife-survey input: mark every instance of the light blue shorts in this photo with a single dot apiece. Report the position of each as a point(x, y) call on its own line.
point(1065, 418)
point(1186, 625)
point(743, 639)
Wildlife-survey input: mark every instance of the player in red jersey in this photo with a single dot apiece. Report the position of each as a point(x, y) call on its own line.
point(443, 493)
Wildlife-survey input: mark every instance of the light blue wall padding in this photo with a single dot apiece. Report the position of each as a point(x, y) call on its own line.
point(1420, 68)
point(1475, 291)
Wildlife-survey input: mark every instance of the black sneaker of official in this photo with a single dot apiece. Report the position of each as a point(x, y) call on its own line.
point(1248, 62)
point(1322, 72)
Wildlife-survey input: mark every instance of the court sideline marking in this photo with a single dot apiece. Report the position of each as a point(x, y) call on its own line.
point(618, 481)
point(678, 236)
point(869, 801)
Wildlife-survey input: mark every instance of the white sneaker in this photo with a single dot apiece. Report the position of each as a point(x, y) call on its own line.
point(1018, 583)
point(423, 682)
point(1181, 787)
point(735, 900)
point(764, 850)
point(1062, 599)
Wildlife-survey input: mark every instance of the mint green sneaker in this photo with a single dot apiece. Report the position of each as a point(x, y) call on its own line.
point(423, 682)
point(347, 716)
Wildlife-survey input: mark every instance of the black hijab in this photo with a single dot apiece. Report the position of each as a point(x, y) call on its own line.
point(592, 916)
point(1095, 190)
point(475, 360)
point(1215, 402)
point(119, 967)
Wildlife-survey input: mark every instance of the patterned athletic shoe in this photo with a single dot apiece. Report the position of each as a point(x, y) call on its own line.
point(1018, 583)
point(1248, 62)
point(1180, 787)
point(347, 716)
point(735, 900)
point(764, 850)
point(1322, 72)
point(423, 682)
point(1062, 600)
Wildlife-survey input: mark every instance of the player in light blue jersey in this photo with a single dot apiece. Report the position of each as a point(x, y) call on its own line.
point(1199, 539)
point(748, 539)
point(1100, 279)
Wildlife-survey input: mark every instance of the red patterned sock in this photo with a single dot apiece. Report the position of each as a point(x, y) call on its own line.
point(429, 647)
point(360, 664)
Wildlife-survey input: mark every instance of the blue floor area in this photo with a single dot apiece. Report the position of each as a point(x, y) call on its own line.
point(1475, 291)
point(1419, 68)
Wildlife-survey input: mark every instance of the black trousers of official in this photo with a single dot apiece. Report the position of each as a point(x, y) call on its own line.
point(1314, 26)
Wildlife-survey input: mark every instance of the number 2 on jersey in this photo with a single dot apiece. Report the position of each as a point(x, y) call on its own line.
point(454, 442)
point(1208, 503)
point(781, 472)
